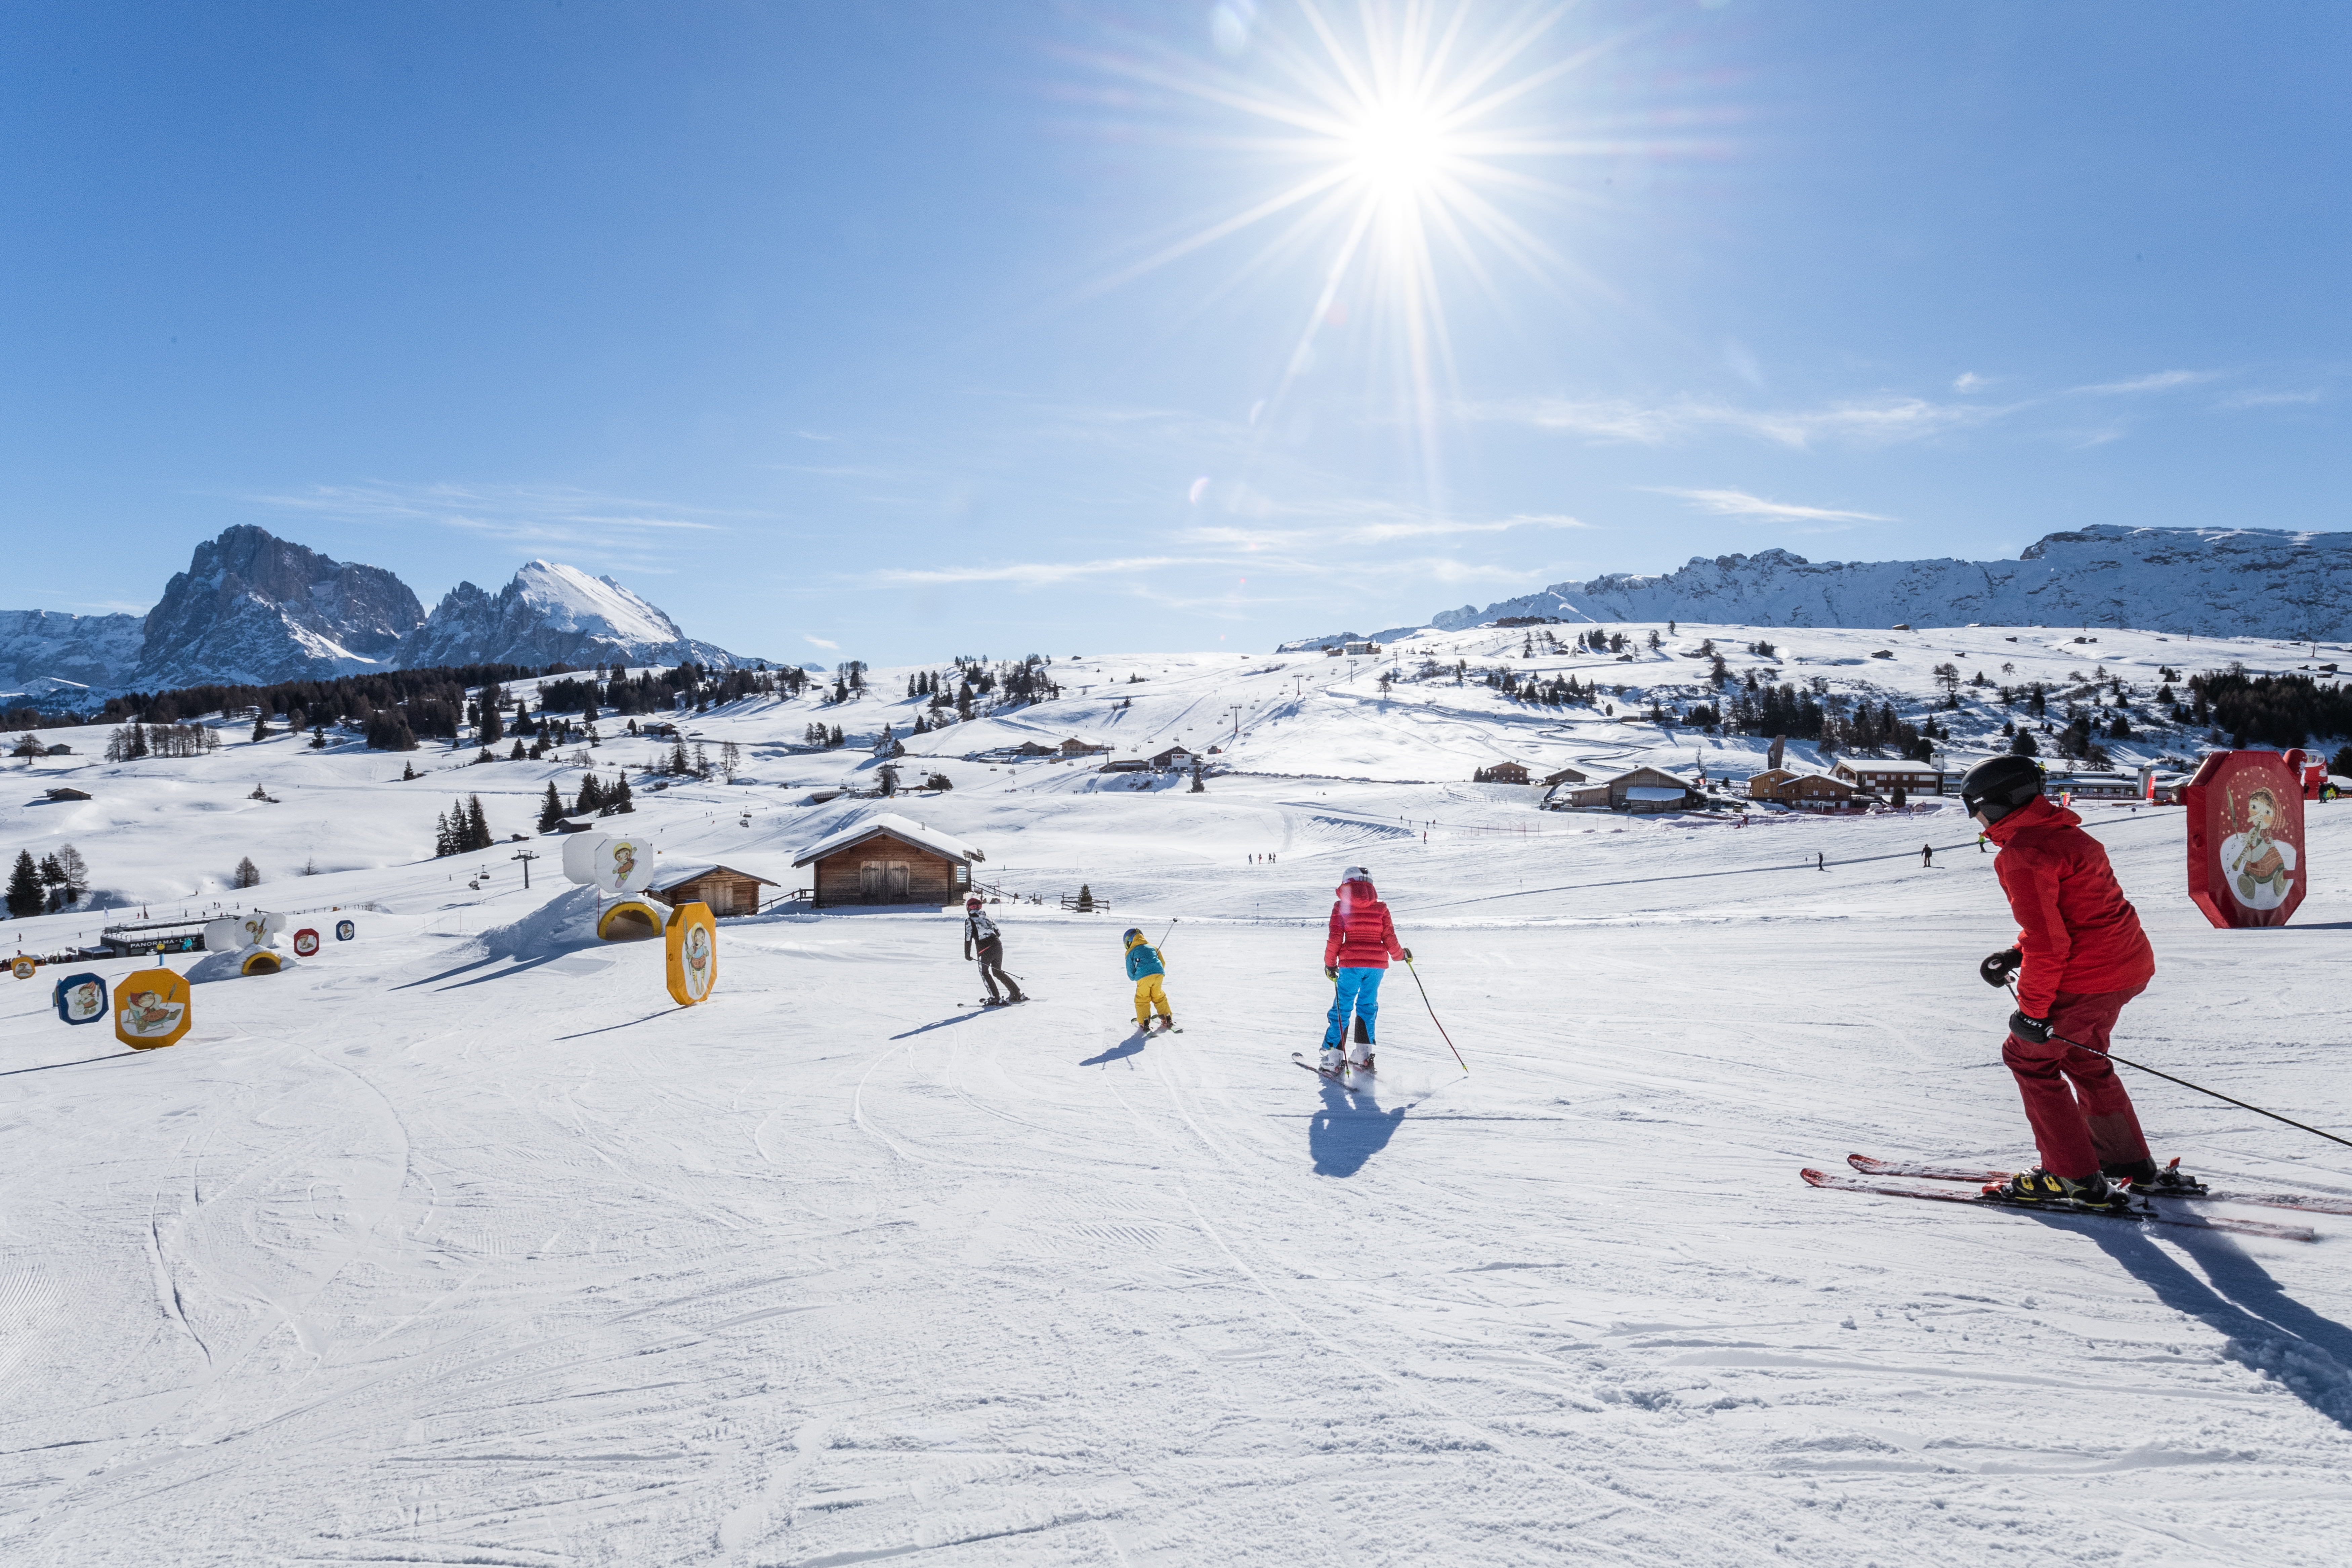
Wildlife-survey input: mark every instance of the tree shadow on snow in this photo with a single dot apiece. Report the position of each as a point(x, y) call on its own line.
point(1350, 1129)
point(2267, 1329)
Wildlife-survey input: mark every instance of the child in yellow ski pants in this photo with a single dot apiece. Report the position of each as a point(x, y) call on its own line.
point(1145, 967)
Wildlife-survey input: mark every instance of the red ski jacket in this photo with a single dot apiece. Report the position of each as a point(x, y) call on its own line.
point(2078, 932)
point(1362, 935)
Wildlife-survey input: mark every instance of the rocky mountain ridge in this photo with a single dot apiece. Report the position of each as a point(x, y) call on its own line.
point(2201, 582)
point(253, 608)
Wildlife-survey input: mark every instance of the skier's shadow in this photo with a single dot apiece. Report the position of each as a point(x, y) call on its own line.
point(1350, 1129)
point(1129, 1046)
point(2308, 1356)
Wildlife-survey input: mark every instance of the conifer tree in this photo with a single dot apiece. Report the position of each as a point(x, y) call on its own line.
point(620, 803)
point(261, 723)
point(24, 887)
point(592, 798)
point(478, 825)
point(442, 845)
point(247, 874)
point(550, 810)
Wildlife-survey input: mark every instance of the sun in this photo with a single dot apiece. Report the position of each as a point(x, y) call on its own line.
point(1397, 136)
point(1397, 150)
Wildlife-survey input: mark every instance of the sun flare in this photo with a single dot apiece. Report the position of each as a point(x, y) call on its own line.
point(1401, 131)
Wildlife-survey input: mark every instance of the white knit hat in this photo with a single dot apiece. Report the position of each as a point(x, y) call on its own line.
point(1356, 874)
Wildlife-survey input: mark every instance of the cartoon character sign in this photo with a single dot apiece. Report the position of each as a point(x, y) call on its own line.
point(306, 943)
point(614, 866)
point(150, 1009)
point(81, 999)
point(345, 931)
point(692, 940)
point(2246, 863)
point(22, 967)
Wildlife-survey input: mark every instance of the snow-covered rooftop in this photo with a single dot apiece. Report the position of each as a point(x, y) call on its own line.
point(899, 827)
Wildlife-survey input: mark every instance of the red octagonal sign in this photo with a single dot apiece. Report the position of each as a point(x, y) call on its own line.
point(2246, 863)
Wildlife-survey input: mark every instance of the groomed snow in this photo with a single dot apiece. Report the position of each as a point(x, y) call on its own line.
point(461, 1243)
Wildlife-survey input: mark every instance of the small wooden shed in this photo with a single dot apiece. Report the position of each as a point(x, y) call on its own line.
point(1565, 775)
point(725, 889)
point(887, 859)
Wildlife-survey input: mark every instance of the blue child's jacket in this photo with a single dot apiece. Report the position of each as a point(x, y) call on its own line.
point(1142, 959)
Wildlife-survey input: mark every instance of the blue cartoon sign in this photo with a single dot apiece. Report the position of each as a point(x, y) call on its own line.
point(81, 999)
point(345, 931)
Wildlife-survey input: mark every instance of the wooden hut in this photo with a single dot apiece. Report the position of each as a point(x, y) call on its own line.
point(1565, 775)
point(723, 889)
point(1501, 773)
point(1874, 777)
point(887, 859)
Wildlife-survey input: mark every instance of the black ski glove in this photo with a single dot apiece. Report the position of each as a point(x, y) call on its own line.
point(2035, 1029)
point(967, 953)
point(1996, 969)
point(1408, 956)
point(1331, 974)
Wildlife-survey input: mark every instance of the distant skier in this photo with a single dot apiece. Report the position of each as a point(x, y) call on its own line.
point(1355, 957)
point(1927, 855)
point(2083, 956)
point(981, 939)
point(1145, 967)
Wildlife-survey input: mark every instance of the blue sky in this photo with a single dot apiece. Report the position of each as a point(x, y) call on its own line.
point(898, 330)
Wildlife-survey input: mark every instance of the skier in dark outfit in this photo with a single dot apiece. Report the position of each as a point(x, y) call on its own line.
point(984, 941)
point(2083, 956)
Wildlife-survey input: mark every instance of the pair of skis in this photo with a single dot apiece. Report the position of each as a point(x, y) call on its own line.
point(2139, 1213)
point(1317, 1068)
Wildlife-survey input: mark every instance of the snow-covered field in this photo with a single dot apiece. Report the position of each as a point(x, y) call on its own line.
point(449, 1247)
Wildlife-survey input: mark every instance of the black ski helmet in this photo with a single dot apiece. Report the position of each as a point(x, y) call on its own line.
point(1998, 785)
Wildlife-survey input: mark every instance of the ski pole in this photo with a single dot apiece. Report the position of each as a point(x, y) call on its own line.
point(1171, 930)
point(2184, 1083)
point(1433, 1013)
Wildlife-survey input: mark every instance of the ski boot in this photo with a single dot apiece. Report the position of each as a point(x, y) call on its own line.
point(2039, 1186)
point(1359, 1059)
point(2169, 1181)
point(1333, 1060)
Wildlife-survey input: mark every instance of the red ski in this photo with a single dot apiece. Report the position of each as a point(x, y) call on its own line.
point(2311, 1203)
point(2126, 1217)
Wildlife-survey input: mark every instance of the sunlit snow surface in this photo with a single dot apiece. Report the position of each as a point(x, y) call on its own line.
point(419, 1254)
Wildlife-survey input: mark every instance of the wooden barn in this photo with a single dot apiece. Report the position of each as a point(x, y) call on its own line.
point(1501, 773)
point(1643, 790)
point(887, 859)
point(725, 889)
point(1874, 777)
point(1565, 775)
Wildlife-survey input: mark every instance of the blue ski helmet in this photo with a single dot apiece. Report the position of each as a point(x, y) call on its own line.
point(1130, 934)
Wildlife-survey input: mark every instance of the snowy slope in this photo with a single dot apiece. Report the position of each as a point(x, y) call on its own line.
point(462, 1243)
point(2213, 582)
point(552, 613)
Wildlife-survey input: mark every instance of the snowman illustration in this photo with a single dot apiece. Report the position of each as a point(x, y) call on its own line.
point(2258, 866)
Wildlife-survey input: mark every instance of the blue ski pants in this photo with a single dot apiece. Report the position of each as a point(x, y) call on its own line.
point(1359, 992)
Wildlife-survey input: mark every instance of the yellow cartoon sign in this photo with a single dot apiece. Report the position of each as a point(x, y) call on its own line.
point(692, 940)
point(22, 967)
point(150, 1009)
point(631, 920)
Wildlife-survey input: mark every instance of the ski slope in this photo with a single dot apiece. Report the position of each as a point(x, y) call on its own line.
point(459, 1243)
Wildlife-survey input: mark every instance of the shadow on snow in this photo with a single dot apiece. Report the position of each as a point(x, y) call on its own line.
point(2267, 1329)
point(1350, 1129)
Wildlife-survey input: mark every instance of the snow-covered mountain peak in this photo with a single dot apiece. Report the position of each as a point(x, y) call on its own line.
point(569, 599)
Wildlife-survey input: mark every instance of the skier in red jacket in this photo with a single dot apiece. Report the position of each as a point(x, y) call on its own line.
point(1355, 956)
point(2083, 956)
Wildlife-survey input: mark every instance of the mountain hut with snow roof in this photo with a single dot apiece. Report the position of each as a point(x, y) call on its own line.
point(724, 889)
point(887, 859)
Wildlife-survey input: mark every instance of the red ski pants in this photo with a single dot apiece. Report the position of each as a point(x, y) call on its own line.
point(2083, 1119)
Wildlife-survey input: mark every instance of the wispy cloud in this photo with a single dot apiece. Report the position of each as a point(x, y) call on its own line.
point(2162, 380)
point(1377, 530)
point(1739, 503)
point(1969, 381)
point(1031, 573)
point(1885, 421)
point(526, 514)
point(820, 642)
point(2271, 399)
